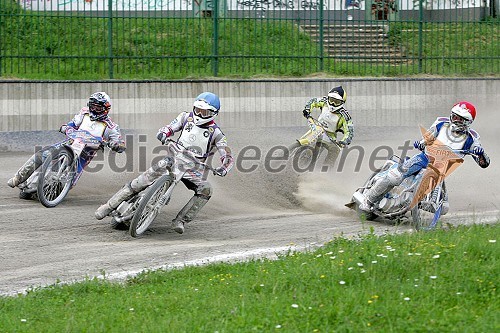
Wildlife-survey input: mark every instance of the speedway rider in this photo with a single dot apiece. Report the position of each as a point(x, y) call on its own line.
point(333, 118)
point(92, 118)
point(199, 132)
point(453, 132)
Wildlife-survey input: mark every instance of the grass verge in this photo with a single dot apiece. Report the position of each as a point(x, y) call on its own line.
point(442, 281)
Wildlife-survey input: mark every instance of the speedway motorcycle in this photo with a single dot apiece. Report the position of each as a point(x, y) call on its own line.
point(306, 150)
point(60, 169)
point(422, 196)
point(137, 213)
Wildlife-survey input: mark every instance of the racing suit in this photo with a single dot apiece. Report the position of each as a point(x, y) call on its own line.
point(440, 133)
point(333, 120)
point(203, 140)
point(106, 129)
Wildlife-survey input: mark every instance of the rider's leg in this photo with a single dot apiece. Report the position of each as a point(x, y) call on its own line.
point(380, 188)
point(332, 149)
point(203, 192)
point(394, 177)
point(136, 185)
point(333, 152)
point(27, 169)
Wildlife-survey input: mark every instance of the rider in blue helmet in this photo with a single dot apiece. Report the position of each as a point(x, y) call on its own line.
point(200, 134)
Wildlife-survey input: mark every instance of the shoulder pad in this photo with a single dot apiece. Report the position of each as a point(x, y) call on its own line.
point(110, 123)
point(473, 133)
point(344, 114)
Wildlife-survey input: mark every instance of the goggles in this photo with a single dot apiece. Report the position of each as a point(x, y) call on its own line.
point(97, 108)
point(458, 120)
point(335, 101)
point(204, 113)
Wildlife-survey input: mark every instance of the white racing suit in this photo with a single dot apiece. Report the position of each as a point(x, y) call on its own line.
point(333, 120)
point(106, 129)
point(440, 131)
point(203, 139)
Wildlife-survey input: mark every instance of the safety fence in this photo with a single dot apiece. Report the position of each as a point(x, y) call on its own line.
point(179, 39)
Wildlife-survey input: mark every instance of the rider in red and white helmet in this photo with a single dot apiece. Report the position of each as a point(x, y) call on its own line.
point(453, 131)
point(462, 115)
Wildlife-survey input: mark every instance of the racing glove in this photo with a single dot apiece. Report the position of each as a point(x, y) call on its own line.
point(306, 113)
point(419, 145)
point(221, 171)
point(117, 147)
point(479, 151)
point(342, 144)
point(66, 129)
point(164, 133)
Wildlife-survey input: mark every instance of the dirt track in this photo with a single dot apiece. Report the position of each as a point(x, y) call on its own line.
point(250, 215)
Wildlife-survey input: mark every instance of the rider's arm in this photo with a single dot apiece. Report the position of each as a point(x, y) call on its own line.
point(482, 159)
point(226, 158)
point(346, 126)
point(174, 126)
point(75, 122)
point(318, 102)
point(113, 135)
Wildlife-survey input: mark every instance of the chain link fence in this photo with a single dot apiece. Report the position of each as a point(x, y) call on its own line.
point(179, 39)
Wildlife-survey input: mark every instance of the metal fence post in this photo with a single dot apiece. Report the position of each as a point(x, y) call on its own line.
point(321, 34)
point(110, 38)
point(215, 44)
point(420, 34)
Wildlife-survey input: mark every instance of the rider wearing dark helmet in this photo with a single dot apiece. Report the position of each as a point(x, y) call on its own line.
point(94, 119)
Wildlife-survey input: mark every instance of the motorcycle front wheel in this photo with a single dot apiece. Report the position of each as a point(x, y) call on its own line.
point(422, 219)
point(150, 205)
point(304, 158)
point(56, 175)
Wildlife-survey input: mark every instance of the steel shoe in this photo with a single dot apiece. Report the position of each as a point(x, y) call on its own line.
point(178, 226)
point(103, 211)
point(13, 182)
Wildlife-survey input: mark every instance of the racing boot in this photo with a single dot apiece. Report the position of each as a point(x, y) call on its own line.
point(125, 193)
point(189, 212)
point(25, 171)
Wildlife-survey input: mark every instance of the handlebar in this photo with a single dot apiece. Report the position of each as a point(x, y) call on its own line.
point(315, 122)
point(456, 151)
point(191, 155)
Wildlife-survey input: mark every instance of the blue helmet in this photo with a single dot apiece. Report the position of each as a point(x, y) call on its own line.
point(205, 108)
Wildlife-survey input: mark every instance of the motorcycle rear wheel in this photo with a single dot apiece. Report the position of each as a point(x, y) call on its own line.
point(150, 206)
point(56, 176)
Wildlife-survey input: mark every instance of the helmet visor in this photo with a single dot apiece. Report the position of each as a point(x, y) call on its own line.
point(204, 113)
point(335, 101)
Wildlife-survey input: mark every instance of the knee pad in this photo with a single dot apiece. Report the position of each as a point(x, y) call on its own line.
point(394, 177)
point(204, 190)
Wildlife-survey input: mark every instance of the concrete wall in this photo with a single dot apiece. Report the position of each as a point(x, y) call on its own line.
point(40, 106)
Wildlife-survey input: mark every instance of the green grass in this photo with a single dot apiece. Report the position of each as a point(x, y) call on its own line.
point(63, 46)
point(442, 281)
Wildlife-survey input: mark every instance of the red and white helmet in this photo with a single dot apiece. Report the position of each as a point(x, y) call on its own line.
point(462, 115)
